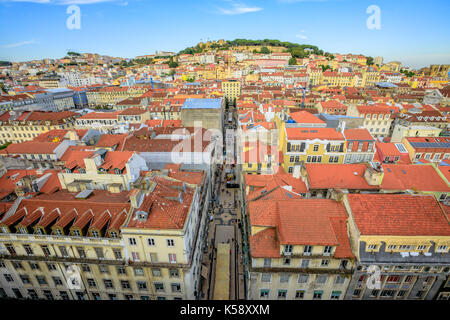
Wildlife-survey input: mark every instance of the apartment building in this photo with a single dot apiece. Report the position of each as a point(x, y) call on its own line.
point(411, 262)
point(100, 169)
point(25, 126)
point(121, 246)
point(360, 146)
point(427, 149)
point(299, 249)
point(312, 145)
point(231, 89)
point(376, 119)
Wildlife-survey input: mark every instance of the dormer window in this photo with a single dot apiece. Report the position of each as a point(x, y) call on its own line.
point(95, 234)
point(23, 230)
point(4, 230)
point(113, 234)
point(117, 171)
point(76, 233)
point(39, 231)
point(81, 170)
point(57, 232)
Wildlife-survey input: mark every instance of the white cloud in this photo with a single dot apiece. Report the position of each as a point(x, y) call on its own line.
point(238, 8)
point(18, 44)
point(301, 35)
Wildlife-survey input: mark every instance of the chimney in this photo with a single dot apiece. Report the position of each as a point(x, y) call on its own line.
point(136, 198)
point(374, 174)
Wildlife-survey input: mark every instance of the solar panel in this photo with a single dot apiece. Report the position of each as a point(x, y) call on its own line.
point(84, 194)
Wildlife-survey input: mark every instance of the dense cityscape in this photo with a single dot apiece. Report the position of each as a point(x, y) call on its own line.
point(231, 170)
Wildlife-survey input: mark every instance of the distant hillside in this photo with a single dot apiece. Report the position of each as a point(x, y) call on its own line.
point(297, 50)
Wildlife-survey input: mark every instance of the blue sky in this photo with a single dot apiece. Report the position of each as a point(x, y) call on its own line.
point(414, 32)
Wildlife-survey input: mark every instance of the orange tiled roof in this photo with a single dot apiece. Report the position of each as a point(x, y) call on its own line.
point(398, 215)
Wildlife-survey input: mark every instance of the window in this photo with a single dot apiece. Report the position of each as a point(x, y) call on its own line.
point(303, 278)
point(151, 242)
point(41, 280)
point(159, 286)
point(387, 293)
point(267, 262)
point(76, 233)
point(125, 284)
point(63, 251)
point(121, 270)
point(28, 249)
point(176, 287)
point(305, 263)
point(129, 297)
point(335, 295)
point(45, 250)
point(442, 249)
point(401, 293)
point(91, 283)
point(142, 285)
point(286, 261)
point(327, 250)
point(282, 294)
point(356, 292)
point(266, 277)
point(138, 271)
point(321, 279)
point(51, 266)
point(8, 277)
point(57, 281)
point(103, 269)
point(99, 253)
point(34, 266)
point(17, 265)
point(174, 273)
point(132, 241)
point(112, 296)
point(48, 295)
point(108, 284)
point(33, 295)
point(317, 295)
point(324, 263)
point(135, 256)
point(372, 247)
point(95, 234)
point(117, 254)
point(393, 279)
point(316, 147)
point(172, 258)
point(170, 243)
point(25, 279)
point(264, 293)
point(10, 249)
point(299, 294)
point(288, 248)
point(284, 277)
point(307, 250)
point(145, 298)
point(86, 268)
point(339, 280)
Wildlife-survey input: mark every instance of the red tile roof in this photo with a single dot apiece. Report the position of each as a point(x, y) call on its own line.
point(305, 117)
point(412, 177)
point(313, 133)
point(358, 134)
point(398, 215)
point(337, 176)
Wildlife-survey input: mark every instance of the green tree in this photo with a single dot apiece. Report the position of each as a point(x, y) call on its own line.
point(292, 61)
point(369, 61)
point(265, 50)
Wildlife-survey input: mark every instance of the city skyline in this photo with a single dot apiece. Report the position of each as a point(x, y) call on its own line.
point(412, 32)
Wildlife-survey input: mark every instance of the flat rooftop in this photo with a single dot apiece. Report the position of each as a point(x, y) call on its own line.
point(197, 103)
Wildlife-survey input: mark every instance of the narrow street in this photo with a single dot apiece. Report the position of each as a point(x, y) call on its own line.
point(223, 226)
